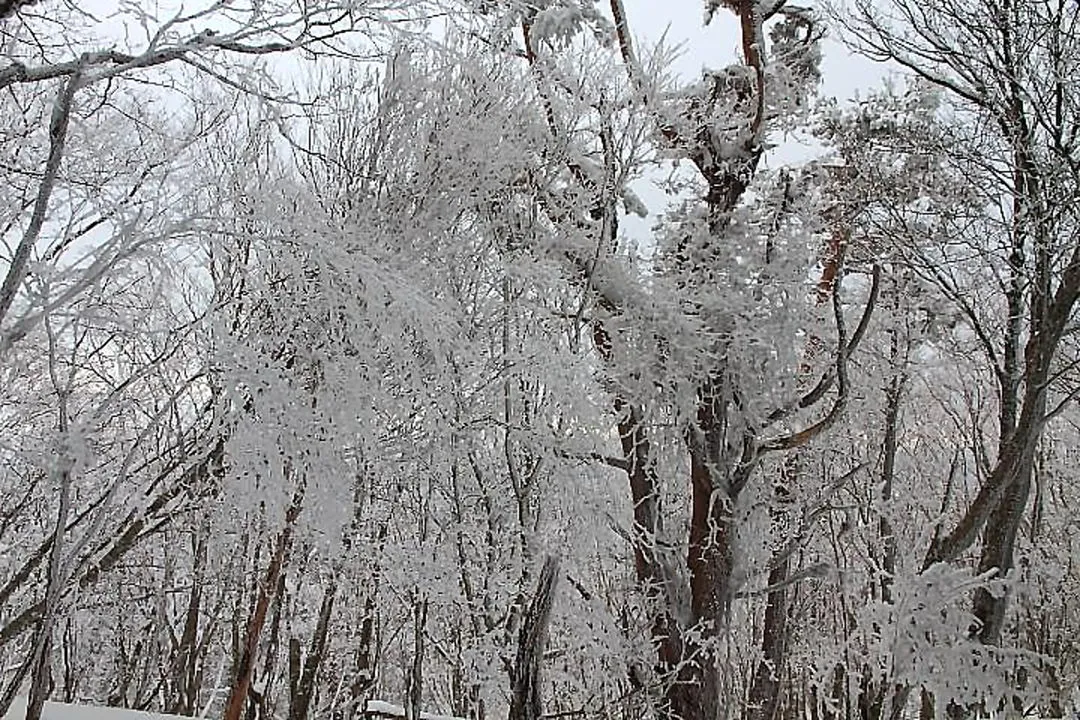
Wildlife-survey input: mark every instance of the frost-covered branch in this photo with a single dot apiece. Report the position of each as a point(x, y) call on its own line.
point(58, 130)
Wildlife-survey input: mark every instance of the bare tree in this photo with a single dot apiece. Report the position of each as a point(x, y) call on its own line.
point(1006, 68)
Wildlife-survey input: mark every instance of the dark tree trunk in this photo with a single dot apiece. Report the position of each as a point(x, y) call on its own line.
point(526, 702)
point(999, 543)
point(415, 682)
point(186, 675)
point(765, 691)
point(365, 652)
point(41, 680)
point(302, 678)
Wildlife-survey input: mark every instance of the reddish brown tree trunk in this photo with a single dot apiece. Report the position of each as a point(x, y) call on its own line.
point(234, 708)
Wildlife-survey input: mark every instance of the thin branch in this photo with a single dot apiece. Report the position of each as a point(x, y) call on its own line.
point(58, 128)
point(826, 382)
point(802, 437)
point(112, 62)
point(818, 570)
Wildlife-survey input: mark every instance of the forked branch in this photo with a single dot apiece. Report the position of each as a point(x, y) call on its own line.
point(804, 436)
point(827, 380)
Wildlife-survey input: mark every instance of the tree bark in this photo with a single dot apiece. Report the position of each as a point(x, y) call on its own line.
point(765, 690)
point(41, 670)
point(187, 656)
point(526, 701)
point(302, 685)
point(58, 128)
point(234, 708)
point(415, 681)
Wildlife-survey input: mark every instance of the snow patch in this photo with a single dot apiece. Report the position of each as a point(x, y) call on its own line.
point(381, 709)
point(66, 711)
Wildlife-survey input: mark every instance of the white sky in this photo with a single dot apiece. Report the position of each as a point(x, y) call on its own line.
point(679, 22)
point(718, 44)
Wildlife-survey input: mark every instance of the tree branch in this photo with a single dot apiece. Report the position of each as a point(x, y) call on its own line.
point(58, 128)
point(802, 437)
point(826, 382)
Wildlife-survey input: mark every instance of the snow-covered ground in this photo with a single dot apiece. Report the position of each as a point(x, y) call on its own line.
point(64, 711)
point(380, 709)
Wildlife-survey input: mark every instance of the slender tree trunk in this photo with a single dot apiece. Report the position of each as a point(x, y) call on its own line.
point(872, 696)
point(41, 672)
point(302, 681)
point(41, 668)
point(765, 690)
point(58, 128)
point(366, 655)
point(415, 683)
point(999, 543)
point(234, 708)
point(186, 660)
point(999, 534)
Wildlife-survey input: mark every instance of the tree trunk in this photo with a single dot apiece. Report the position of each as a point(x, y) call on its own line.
point(766, 687)
point(302, 682)
point(234, 708)
point(415, 681)
point(999, 542)
point(366, 655)
point(186, 660)
point(41, 668)
point(526, 702)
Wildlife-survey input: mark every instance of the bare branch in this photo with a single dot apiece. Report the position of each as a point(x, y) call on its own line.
point(826, 382)
point(802, 437)
point(58, 128)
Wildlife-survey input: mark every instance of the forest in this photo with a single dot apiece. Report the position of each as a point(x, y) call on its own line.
point(461, 359)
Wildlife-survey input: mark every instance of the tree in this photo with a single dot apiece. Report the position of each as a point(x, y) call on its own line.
point(697, 346)
point(1017, 120)
point(105, 204)
point(340, 366)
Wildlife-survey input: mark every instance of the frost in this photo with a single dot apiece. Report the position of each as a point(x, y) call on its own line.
point(558, 23)
point(336, 370)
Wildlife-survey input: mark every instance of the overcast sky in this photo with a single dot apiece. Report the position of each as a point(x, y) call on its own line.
point(718, 44)
point(844, 75)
